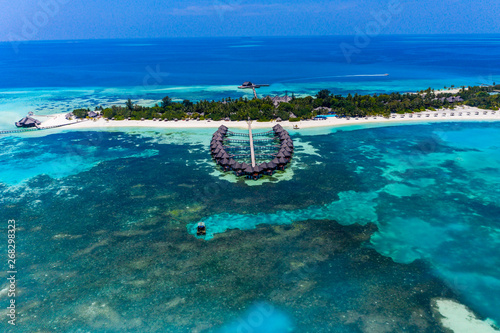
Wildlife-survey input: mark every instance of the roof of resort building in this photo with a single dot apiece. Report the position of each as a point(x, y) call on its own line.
point(28, 122)
point(279, 99)
point(322, 108)
point(451, 99)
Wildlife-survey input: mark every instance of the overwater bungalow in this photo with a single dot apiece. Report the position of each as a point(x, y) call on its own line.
point(28, 122)
point(238, 147)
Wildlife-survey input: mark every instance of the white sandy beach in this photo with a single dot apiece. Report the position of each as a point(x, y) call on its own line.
point(462, 113)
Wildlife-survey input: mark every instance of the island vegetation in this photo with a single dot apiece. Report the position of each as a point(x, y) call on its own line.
point(301, 108)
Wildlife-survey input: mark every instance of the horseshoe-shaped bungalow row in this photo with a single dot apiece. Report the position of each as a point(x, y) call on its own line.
point(282, 154)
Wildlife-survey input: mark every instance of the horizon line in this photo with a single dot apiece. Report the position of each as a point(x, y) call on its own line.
point(241, 36)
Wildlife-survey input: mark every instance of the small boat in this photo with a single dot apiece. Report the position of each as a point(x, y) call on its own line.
point(201, 230)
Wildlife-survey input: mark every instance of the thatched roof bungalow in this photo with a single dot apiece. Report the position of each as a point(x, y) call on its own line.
point(28, 122)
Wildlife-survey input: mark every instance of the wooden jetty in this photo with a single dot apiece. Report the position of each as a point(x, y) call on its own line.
point(252, 151)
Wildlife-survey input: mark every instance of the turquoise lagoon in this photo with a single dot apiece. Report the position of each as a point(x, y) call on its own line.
point(373, 224)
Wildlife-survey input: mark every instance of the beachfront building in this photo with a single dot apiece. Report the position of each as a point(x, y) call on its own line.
point(28, 122)
point(279, 99)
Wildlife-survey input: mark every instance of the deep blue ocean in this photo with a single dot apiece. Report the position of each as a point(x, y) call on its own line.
point(58, 76)
point(368, 228)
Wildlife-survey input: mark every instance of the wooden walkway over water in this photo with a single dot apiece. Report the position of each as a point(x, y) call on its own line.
point(252, 150)
point(245, 145)
point(31, 129)
point(247, 134)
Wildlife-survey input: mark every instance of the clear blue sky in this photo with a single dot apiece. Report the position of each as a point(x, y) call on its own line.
point(88, 19)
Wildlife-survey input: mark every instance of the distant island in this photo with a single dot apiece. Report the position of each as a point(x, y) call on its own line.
point(302, 108)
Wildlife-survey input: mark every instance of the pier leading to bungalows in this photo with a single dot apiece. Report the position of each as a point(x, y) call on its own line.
point(252, 150)
point(241, 153)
